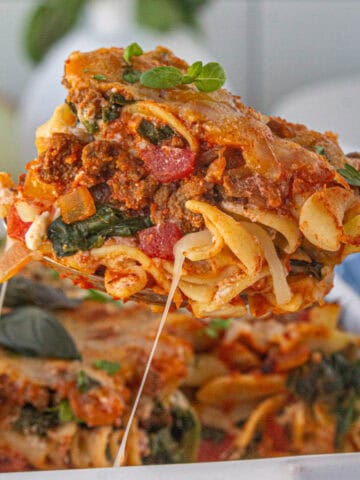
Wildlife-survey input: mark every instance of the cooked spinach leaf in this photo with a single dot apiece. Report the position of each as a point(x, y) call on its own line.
point(67, 239)
point(312, 268)
point(34, 422)
point(319, 149)
point(155, 135)
point(334, 380)
point(33, 332)
point(23, 291)
point(176, 442)
point(112, 111)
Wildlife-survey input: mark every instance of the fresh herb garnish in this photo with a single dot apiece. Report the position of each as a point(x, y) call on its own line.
point(101, 297)
point(35, 422)
point(22, 291)
point(155, 135)
point(132, 50)
point(65, 412)
point(111, 368)
point(162, 77)
point(33, 332)
point(91, 126)
point(207, 78)
point(319, 149)
point(335, 380)
point(192, 72)
point(83, 382)
point(351, 175)
point(215, 327)
point(100, 77)
point(130, 75)
point(211, 77)
point(67, 239)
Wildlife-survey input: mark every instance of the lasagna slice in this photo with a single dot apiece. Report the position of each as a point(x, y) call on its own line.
point(128, 173)
point(285, 386)
point(70, 411)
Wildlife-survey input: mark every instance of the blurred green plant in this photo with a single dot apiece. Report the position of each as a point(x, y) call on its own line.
point(166, 15)
point(50, 20)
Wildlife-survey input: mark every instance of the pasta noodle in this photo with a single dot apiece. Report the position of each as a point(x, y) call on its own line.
point(124, 171)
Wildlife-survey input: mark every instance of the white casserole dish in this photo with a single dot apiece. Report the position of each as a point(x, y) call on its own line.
point(315, 467)
point(311, 467)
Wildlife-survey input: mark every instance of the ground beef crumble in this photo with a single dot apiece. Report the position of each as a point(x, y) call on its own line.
point(62, 159)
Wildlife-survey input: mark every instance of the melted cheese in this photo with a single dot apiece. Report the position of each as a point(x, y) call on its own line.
point(184, 245)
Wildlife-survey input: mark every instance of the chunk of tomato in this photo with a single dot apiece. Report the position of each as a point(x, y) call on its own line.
point(168, 164)
point(213, 451)
point(277, 433)
point(159, 241)
point(16, 228)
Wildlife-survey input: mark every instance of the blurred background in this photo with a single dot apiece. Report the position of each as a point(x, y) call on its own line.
point(296, 58)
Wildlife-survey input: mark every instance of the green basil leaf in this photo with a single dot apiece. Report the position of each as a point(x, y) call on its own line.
point(100, 77)
point(161, 77)
point(111, 368)
point(132, 50)
point(194, 70)
point(33, 332)
point(22, 291)
point(351, 175)
point(211, 78)
point(131, 76)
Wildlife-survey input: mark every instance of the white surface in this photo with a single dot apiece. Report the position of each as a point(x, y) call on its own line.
point(316, 467)
point(332, 105)
point(306, 41)
point(350, 302)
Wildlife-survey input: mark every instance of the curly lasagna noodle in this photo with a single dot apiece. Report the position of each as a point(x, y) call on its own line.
point(125, 173)
point(218, 390)
point(285, 386)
